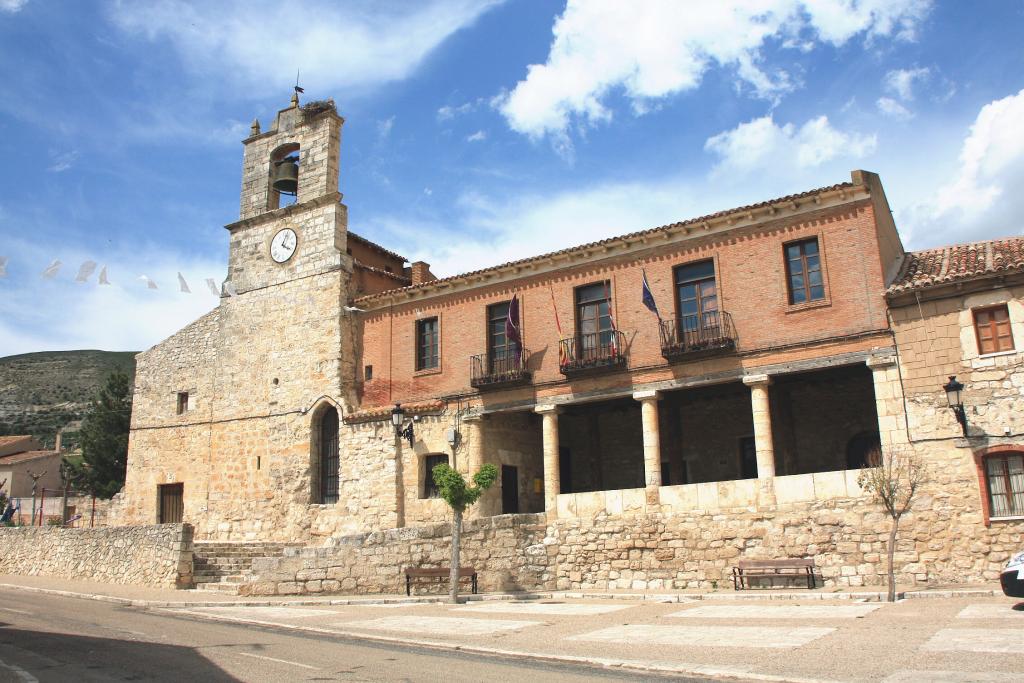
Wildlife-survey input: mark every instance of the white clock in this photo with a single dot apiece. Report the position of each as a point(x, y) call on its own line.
point(283, 245)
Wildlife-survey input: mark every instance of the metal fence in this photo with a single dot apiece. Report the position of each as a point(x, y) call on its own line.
point(48, 508)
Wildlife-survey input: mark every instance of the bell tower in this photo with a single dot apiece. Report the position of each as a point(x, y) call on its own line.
point(292, 222)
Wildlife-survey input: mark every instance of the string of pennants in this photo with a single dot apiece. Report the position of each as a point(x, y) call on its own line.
point(88, 268)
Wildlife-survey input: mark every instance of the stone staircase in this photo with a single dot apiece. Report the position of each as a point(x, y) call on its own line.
point(225, 567)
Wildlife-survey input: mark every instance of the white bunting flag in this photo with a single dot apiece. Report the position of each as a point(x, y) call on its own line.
point(212, 286)
point(85, 271)
point(183, 285)
point(3, 266)
point(103, 276)
point(230, 289)
point(148, 281)
point(51, 270)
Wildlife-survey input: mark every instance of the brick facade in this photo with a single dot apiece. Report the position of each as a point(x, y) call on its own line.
point(759, 429)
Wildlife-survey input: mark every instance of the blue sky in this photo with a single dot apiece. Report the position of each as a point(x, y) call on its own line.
point(477, 132)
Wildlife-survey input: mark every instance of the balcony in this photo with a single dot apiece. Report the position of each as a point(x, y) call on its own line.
point(696, 336)
point(594, 353)
point(503, 370)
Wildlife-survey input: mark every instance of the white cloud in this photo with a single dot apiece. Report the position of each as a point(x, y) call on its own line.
point(63, 161)
point(384, 127)
point(901, 81)
point(893, 109)
point(657, 48)
point(478, 136)
point(258, 45)
point(983, 198)
point(38, 314)
point(451, 111)
point(12, 6)
point(762, 144)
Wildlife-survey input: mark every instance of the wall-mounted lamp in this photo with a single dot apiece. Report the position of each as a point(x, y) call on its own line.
point(953, 391)
point(398, 421)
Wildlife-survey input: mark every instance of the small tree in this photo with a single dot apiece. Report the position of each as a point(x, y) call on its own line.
point(459, 496)
point(894, 479)
point(104, 439)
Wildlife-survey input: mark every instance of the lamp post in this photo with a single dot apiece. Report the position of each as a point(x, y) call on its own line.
point(398, 421)
point(954, 391)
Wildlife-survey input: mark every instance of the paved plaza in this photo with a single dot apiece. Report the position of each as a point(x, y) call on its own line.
point(954, 640)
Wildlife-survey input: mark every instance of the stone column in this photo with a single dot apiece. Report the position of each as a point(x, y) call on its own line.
point(652, 443)
point(473, 432)
point(892, 416)
point(762, 414)
point(552, 485)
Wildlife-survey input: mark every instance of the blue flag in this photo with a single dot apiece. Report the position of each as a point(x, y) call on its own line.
point(648, 297)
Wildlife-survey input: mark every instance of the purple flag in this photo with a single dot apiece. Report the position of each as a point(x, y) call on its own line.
point(512, 329)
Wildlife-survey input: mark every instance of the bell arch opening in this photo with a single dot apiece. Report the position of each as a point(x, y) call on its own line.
point(324, 460)
point(283, 176)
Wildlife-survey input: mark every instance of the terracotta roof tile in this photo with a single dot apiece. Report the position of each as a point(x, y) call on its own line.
point(371, 414)
point(24, 456)
point(11, 440)
point(632, 235)
point(958, 263)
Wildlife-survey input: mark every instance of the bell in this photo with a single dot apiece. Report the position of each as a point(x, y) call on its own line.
point(286, 176)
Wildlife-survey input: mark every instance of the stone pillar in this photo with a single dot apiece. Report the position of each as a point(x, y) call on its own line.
point(892, 416)
point(552, 485)
point(762, 414)
point(473, 433)
point(652, 443)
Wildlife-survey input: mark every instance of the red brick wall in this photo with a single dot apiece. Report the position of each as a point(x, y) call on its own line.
point(752, 285)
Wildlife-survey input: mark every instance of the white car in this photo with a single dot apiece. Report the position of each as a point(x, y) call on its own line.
point(1012, 577)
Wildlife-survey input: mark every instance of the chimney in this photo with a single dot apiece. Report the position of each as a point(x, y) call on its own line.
point(420, 273)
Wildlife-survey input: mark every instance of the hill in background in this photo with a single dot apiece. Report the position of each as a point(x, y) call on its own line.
point(42, 392)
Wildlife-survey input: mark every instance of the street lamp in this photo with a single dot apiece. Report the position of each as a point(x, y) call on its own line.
point(953, 391)
point(398, 421)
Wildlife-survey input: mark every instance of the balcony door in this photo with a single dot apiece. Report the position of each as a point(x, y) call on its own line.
point(697, 302)
point(501, 351)
point(594, 322)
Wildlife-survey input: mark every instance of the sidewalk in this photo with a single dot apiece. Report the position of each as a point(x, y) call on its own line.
point(966, 634)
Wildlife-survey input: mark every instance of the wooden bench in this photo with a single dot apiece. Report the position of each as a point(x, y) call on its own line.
point(443, 573)
point(790, 568)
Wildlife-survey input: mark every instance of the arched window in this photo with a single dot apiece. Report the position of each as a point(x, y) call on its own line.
point(325, 483)
point(283, 165)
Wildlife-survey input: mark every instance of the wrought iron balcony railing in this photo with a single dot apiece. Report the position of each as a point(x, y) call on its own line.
point(596, 352)
point(499, 370)
point(691, 336)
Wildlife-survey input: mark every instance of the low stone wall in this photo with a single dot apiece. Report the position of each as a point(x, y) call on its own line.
point(159, 555)
point(509, 552)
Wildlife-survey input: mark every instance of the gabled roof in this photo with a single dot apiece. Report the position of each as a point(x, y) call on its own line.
point(6, 441)
point(958, 263)
point(25, 456)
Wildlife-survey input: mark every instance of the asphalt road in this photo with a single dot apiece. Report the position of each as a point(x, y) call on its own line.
point(49, 638)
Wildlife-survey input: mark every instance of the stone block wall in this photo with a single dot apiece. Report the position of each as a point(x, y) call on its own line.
point(159, 555)
point(510, 552)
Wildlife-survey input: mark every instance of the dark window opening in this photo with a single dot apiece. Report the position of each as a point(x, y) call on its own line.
point(329, 458)
point(803, 271)
point(500, 349)
point(992, 328)
point(748, 458)
point(430, 488)
point(182, 402)
point(1005, 476)
point(368, 373)
point(509, 490)
point(426, 344)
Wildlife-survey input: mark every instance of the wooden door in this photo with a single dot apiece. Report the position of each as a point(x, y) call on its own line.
point(171, 503)
point(509, 490)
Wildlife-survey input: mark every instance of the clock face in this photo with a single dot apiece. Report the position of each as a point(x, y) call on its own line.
point(283, 245)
